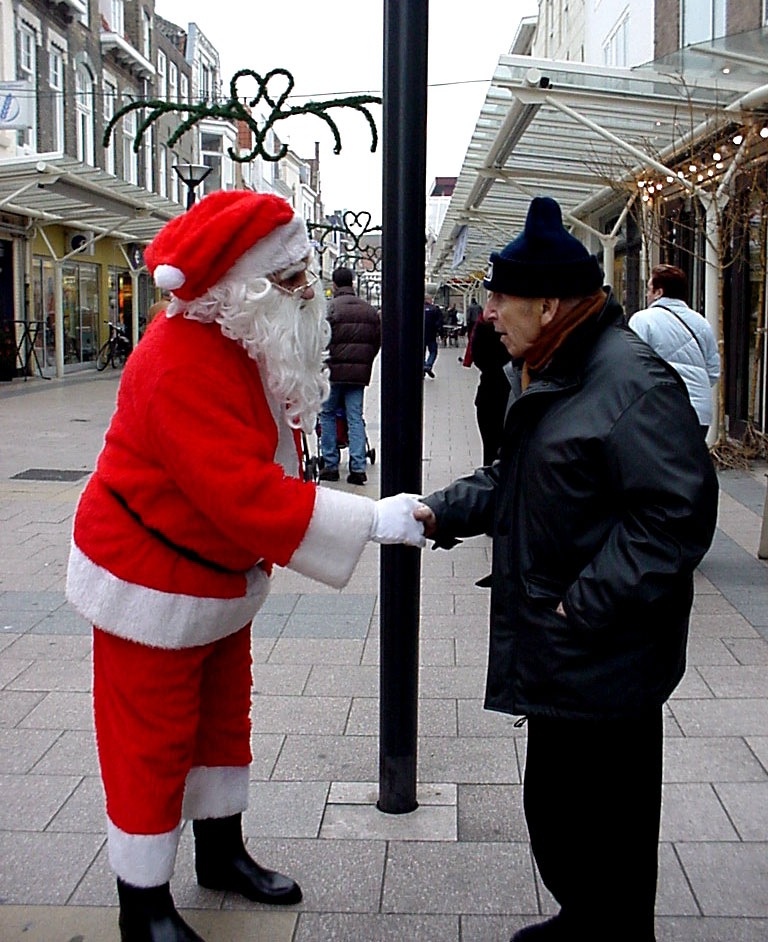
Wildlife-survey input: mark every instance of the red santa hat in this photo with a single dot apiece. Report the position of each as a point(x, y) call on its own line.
point(194, 250)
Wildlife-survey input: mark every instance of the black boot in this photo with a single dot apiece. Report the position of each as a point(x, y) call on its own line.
point(222, 863)
point(147, 914)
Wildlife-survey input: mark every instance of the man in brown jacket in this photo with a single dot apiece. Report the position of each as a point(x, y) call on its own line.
point(355, 341)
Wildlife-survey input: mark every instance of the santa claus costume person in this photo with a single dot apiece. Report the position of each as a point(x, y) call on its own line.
point(196, 495)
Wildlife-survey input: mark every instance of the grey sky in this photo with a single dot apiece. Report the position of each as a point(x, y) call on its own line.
point(336, 47)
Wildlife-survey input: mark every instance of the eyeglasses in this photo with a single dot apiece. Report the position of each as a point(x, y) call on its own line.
point(310, 280)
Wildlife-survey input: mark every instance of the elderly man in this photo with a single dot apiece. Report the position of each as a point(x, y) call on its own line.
point(196, 496)
point(601, 505)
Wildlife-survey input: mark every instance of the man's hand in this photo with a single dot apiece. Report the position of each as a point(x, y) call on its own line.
point(427, 517)
point(396, 521)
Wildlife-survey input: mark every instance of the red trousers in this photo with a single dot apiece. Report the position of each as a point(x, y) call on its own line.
point(166, 720)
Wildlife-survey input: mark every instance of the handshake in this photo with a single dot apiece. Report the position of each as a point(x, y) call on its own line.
point(402, 518)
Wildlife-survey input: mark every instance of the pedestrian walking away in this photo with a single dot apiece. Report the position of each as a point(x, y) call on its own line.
point(197, 495)
point(355, 341)
point(487, 352)
point(433, 325)
point(601, 505)
point(680, 336)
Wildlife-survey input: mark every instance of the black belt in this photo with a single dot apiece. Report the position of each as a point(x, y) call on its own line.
point(184, 551)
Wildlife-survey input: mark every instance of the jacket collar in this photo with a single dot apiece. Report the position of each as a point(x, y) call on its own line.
point(347, 289)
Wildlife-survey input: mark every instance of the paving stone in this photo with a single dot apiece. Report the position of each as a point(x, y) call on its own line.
point(730, 682)
point(279, 678)
point(20, 622)
point(673, 895)
point(721, 717)
point(710, 929)
point(265, 749)
point(475, 720)
point(52, 647)
point(11, 667)
point(285, 809)
point(367, 793)
point(459, 626)
point(451, 681)
point(15, 705)
point(759, 746)
point(32, 800)
point(61, 711)
point(366, 822)
point(748, 651)
point(330, 758)
point(261, 649)
point(437, 604)
point(49, 675)
point(335, 876)
point(435, 717)
point(299, 714)
point(728, 879)
point(475, 760)
point(330, 606)
point(691, 812)
point(20, 749)
point(432, 651)
point(47, 923)
point(279, 603)
point(709, 651)
point(747, 806)
point(84, 811)
point(714, 759)
point(459, 878)
point(322, 624)
point(386, 927)
point(472, 651)
point(343, 681)
point(485, 928)
point(316, 651)
point(73, 753)
point(491, 813)
point(43, 867)
point(45, 602)
point(691, 687)
point(65, 621)
point(266, 625)
point(7, 638)
point(721, 626)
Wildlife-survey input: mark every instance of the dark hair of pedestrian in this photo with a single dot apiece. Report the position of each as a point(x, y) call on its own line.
point(672, 281)
point(342, 277)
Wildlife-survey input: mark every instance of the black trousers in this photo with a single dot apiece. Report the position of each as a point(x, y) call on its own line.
point(592, 797)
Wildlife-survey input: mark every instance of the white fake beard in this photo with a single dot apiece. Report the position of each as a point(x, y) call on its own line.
point(285, 335)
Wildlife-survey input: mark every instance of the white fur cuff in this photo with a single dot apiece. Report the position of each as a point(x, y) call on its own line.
point(215, 792)
point(338, 530)
point(142, 859)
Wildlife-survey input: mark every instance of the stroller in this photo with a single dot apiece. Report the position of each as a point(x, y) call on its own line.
point(314, 463)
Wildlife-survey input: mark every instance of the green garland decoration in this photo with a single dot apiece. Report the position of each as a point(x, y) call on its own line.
point(236, 110)
point(354, 227)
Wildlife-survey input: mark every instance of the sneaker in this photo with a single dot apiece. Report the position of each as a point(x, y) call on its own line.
point(328, 474)
point(357, 477)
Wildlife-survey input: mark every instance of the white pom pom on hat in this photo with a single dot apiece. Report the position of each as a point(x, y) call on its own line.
point(194, 250)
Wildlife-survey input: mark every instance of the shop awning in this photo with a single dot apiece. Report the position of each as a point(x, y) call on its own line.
point(49, 189)
point(571, 131)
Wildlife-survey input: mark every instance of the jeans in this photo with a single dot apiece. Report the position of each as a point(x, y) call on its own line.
point(350, 399)
point(431, 347)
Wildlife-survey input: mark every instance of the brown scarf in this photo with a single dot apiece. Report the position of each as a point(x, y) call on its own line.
point(555, 333)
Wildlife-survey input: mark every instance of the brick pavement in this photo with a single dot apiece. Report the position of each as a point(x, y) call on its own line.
point(459, 868)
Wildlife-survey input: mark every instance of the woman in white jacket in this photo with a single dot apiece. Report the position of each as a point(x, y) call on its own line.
point(680, 336)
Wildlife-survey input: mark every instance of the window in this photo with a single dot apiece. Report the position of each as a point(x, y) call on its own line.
point(174, 194)
point(149, 170)
point(162, 171)
point(162, 69)
point(130, 157)
point(117, 20)
point(173, 82)
point(701, 20)
point(27, 69)
point(211, 147)
point(84, 114)
point(184, 87)
point(205, 82)
point(616, 48)
point(109, 104)
point(146, 22)
point(56, 83)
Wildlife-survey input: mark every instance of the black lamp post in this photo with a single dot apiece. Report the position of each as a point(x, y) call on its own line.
point(192, 175)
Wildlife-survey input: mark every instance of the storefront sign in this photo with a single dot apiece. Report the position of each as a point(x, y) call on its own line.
point(17, 104)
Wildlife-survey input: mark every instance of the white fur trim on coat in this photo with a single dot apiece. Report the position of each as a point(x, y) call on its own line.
point(338, 530)
point(142, 859)
point(215, 792)
point(159, 619)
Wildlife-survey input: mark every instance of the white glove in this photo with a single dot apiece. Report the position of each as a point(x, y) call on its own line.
point(395, 523)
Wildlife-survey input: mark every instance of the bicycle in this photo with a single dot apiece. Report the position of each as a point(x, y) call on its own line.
point(115, 349)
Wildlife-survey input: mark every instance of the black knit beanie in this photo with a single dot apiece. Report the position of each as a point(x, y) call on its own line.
point(544, 261)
